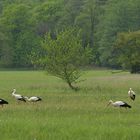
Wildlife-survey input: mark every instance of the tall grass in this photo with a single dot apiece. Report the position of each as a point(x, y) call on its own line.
point(67, 115)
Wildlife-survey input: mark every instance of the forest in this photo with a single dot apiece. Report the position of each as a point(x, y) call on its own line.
point(111, 28)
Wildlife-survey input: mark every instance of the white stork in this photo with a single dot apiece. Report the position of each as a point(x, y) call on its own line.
point(119, 104)
point(33, 99)
point(2, 102)
point(18, 97)
point(131, 94)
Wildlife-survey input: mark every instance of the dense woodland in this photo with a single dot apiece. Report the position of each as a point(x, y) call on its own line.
point(109, 27)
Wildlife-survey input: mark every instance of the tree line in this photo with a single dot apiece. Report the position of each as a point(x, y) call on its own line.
point(110, 28)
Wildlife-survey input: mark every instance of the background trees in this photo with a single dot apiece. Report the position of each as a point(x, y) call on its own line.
point(119, 16)
point(128, 47)
point(24, 24)
point(15, 21)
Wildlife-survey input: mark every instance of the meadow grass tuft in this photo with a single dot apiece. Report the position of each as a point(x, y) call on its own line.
point(68, 115)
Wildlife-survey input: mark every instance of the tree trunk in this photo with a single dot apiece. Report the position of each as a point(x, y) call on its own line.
point(71, 86)
point(68, 80)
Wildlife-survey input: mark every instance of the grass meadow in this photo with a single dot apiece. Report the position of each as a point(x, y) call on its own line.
point(67, 115)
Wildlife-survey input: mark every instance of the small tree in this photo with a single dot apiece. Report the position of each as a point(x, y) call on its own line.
point(65, 55)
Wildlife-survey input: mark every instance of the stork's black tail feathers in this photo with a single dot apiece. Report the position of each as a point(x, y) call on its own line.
point(39, 99)
point(128, 106)
point(132, 97)
point(125, 105)
point(3, 101)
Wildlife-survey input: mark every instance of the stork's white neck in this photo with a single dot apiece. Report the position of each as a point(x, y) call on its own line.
point(14, 91)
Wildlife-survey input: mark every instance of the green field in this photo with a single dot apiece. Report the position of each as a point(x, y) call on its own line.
point(67, 115)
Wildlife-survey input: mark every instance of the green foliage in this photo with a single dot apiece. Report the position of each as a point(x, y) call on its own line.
point(5, 50)
point(128, 46)
point(25, 23)
point(22, 39)
point(72, 10)
point(119, 16)
point(14, 20)
point(46, 16)
point(65, 55)
point(87, 21)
